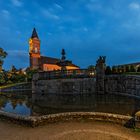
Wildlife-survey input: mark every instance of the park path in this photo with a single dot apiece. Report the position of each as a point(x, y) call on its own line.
point(67, 131)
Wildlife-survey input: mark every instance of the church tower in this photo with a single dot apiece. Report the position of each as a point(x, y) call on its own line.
point(34, 50)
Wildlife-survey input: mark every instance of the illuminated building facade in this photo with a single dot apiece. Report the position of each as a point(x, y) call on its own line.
point(42, 62)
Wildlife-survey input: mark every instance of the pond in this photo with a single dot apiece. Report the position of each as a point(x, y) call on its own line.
point(23, 104)
point(17, 103)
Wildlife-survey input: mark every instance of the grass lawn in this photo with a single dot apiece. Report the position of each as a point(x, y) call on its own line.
point(10, 85)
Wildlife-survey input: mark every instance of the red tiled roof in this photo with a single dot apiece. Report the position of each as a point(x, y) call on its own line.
point(51, 60)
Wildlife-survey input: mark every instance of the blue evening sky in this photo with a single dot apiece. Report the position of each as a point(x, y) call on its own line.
point(86, 29)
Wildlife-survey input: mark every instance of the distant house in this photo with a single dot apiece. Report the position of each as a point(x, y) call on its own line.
point(131, 67)
point(43, 63)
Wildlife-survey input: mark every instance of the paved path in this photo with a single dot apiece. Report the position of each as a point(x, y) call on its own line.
point(67, 131)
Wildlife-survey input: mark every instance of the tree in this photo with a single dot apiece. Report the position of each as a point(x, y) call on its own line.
point(3, 55)
point(127, 68)
point(138, 69)
point(132, 68)
point(30, 73)
point(13, 69)
point(122, 69)
point(114, 69)
point(91, 67)
point(108, 70)
point(3, 77)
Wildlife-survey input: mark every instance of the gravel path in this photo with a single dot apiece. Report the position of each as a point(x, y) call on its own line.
point(67, 131)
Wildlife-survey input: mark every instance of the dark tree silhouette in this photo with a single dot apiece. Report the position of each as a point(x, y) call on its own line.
point(91, 67)
point(127, 69)
point(114, 70)
point(108, 70)
point(138, 69)
point(3, 55)
point(132, 68)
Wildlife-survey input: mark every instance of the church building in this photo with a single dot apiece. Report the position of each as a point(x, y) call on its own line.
point(44, 63)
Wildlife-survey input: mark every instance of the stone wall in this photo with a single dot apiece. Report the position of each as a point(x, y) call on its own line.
point(64, 93)
point(79, 93)
point(122, 84)
point(64, 86)
point(119, 84)
point(34, 121)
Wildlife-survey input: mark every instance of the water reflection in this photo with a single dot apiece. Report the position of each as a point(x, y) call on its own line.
point(15, 104)
point(92, 102)
point(23, 104)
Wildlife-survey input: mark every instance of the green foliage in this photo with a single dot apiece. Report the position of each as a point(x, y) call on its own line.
point(13, 69)
point(21, 78)
point(3, 55)
point(136, 129)
point(108, 70)
point(127, 69)
point(29, 74)
point(132, 73)
point(138, 70)
point(16, 76)
point(91, 67)
point(132, 68)
point(3, 77)
point(114, 70)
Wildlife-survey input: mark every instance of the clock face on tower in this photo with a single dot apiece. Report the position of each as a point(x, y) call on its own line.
point(36, 50)
point(34, 46)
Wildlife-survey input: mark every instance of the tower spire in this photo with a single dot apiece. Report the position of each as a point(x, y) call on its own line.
point(34, 34)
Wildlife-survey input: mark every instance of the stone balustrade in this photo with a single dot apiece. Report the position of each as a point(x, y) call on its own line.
point(34, 121)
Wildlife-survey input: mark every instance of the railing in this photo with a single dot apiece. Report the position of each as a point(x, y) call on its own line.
point(79, 73)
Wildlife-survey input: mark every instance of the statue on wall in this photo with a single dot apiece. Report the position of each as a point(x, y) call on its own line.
point(100, 74)
point(101, 60)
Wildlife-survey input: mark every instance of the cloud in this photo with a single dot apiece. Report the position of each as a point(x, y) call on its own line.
point(49, 33)
point(134, 6)
point(85, 29)
point(17, 3)
point(18, 53)
point(49, 15)
point(19, 58)
point(58, 6)
point(93, 6)
point(5, 14)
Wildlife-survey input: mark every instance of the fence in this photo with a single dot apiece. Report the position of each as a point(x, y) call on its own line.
point(79, 73)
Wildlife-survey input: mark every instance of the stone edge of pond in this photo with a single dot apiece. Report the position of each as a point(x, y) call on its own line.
point(34, 121)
